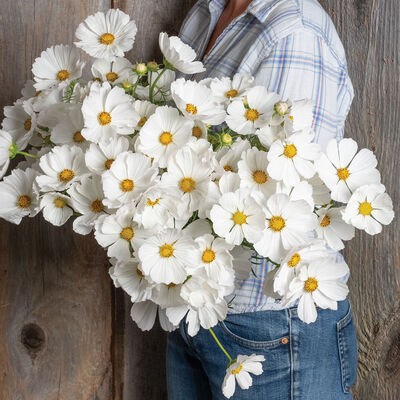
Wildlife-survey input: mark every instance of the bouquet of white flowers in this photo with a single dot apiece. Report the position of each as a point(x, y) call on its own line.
point(178, 179)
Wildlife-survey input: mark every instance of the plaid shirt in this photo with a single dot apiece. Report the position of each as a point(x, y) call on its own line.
point(291, 47)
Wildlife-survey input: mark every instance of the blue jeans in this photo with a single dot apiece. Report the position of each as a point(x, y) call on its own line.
point(302, 362)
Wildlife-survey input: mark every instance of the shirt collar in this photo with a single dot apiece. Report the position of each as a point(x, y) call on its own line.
point(258, 8)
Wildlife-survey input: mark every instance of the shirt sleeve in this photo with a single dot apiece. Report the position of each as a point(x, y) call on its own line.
point(301, 65)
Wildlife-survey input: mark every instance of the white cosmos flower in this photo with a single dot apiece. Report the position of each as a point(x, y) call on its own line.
point(301, 191)
point(189, 176)
point(296, 116)
point(131, 279)
point(180, 55)
point(19, 195)
point(287, 225)
point(157, 208)
point(145, 109)
point(119, 233)
point(56, 208)
point(129, 175)
point(228, 157)
point(253, 172)
point(167, 295)
point(99, 157)
point(144, 313)
point(196, 102)
point(344, 170)
point(114, 72)
point(167, 256)
point(203, 306)
point(296, 257)
point(252, 112)
point(164, 134)
point(69, 126)
point(240, 371)
point(318, 284)
point(57, 64)
point(63, 166)
point(20, 123)
point(237, 216)
point(28, 91)
point(269, 133)
point(87, 198)
point(226, 89)
point(6, 142)
point(107, 112)
point(106, 36)
point(162, 90)
point(215, 258)
point(199, 130)
point(332, 228)
point(292, 158)
point(368, 208)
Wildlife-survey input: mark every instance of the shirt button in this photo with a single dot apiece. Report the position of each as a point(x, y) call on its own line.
point(285, 340)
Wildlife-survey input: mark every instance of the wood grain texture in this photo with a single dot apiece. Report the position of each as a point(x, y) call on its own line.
point(370, 33)
point(55, 293)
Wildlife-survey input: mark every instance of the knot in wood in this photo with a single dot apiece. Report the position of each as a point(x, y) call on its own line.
point(33, 338)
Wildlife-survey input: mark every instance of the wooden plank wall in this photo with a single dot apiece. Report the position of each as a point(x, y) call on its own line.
point(65, 333)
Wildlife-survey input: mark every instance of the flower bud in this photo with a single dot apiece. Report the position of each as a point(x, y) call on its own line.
point(141, 68)
point(281, 107)
point(152, 66)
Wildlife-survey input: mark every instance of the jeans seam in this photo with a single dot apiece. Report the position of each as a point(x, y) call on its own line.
point(291, 359)
point(343, 370)
point(250, 343)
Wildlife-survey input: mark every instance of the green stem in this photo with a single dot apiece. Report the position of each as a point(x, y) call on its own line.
point(155, 83)
point(135, 86)
point(23, 153)
point(220, 345)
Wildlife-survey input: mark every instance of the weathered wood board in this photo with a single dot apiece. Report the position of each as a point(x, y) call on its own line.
point(65, 333)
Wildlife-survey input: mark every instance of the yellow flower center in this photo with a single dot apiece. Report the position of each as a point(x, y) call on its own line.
point(107, 38)
point(226, 138)
point(171, 285)
point(237, 370)
point(187, 185)
point(139, 273)
point(59, 202)
point(127, 233)
point(97, 206)
point(127, 185)
point(365, 208)
point(63, 75)
point(165, 138)
point(104, 118)
point(166, 250)
point(152, 203)
point(191, 109)
point(37, 93)
point(24, 201)
point(208, 256)
point(260, 177)
point(343, 173)
point(294, 260)
point(290, 117)
point(231, 93)
point(197, 132)
point(108, 163)
point(66, 175)
point(239, 218)
point(290, 150)
point(326, 221)
point(142, 121)
point(310, 285)
point(277, 223)
point(111, 76)
point(252, 114)
point(28, 124)
point(228, 168)
point(78, 138)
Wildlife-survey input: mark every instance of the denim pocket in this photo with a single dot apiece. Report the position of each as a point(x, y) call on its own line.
point(347, 343)
point(256, 330)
